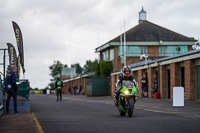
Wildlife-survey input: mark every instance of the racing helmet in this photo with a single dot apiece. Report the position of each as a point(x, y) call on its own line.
point(126, 71)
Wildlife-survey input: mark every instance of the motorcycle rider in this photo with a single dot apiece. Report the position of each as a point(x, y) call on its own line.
point(126, 75)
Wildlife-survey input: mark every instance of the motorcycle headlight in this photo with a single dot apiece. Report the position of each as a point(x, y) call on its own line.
point(126, 92)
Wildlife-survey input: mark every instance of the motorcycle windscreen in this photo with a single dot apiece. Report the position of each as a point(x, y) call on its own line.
point(127, 83)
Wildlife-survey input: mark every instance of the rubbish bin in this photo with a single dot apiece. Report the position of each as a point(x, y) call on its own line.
point(23, 87)
point(48, 92)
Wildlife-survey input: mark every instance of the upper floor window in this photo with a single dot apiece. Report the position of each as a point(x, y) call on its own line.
point(132, 50)
point(142, 50)
point(121, 51)
point(172, 50)
point(163, 51)
point(111, 54)
point(108, 54)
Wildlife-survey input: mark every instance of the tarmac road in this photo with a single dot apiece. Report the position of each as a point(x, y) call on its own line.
point(81, 114)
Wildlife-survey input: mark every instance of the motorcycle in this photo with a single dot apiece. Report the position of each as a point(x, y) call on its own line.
point(127, 98)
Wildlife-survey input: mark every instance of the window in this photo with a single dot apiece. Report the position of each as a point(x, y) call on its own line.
point(163, 51)
point(119, 50)
point(183, 49)
point(111, 54)
point(172, 50)
point(130, 51)
point(143, 50)
point(108, 54)
point(104, 55)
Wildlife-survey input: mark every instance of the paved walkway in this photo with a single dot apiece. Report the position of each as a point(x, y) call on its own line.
point(18, 123)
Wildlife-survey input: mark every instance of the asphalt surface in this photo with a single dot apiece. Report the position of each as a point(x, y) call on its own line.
point(81, 114)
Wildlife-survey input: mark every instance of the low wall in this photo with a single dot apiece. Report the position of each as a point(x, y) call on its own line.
point(23, 105)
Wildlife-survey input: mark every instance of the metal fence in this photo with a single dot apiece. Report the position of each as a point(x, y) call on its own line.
point(1, 98)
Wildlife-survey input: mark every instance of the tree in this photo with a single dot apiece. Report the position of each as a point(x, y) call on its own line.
point(56, 68)
point(65, 66)
point(36, 88)
point(51, 86)
point(104, 68)
point(97, 70)
point(89, 66)
point(78, 68)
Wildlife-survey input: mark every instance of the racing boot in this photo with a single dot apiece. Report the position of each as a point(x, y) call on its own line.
point(135, 98)
point(116, 101)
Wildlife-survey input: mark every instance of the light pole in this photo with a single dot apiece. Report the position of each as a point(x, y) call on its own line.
point(124, 45)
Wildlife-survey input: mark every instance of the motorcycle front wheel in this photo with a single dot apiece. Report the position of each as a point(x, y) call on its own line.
point(122, 113)
point(130, 107)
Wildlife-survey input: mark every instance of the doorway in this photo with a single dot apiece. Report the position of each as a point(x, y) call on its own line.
point(168, 79)
point(197, 81)
point(183, 78)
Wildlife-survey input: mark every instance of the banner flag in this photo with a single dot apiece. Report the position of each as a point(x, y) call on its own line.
point(18, 65)
point(19, 40)
point(12, 56)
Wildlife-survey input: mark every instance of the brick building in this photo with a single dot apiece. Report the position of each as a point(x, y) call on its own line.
point(170, 57)
point(80, 80)
point(145, 38)
point(178, 70)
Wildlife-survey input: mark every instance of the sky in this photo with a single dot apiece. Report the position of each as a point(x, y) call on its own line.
point(70, 30)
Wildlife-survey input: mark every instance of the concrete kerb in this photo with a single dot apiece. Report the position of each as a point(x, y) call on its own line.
point(39, 127)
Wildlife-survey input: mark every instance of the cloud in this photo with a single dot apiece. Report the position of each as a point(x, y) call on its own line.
point(68, 30)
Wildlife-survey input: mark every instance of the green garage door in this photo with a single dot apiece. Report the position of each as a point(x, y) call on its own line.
point(97, 86)
point(197, 81)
